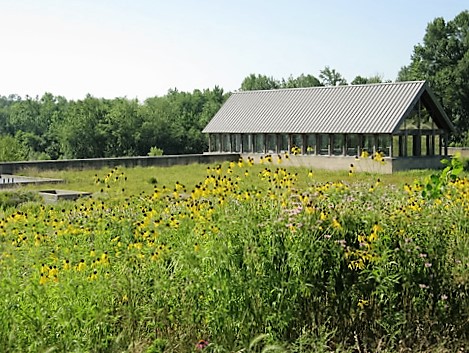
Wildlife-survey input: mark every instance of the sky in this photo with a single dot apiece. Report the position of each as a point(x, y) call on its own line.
point(143, 48)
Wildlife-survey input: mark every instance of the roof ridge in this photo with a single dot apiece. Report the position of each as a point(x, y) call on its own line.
point(330, 87)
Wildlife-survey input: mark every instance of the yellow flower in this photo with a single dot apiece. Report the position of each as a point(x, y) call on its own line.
point(66, 265)
point(81, 265)
point(336, 224)
point(93, 276)
point(362, 303)
point(43, 279)
point(373, 236)
point(377, 228)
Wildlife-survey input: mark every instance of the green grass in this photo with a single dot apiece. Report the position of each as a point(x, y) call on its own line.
point(268, 260)
point(143, 179)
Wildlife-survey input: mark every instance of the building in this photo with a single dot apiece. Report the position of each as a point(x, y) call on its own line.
point(328, 127)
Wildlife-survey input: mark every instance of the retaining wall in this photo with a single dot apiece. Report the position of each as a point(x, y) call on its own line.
point(98, 163)
point(318, 162)
point(463, 151)
point(390, 165)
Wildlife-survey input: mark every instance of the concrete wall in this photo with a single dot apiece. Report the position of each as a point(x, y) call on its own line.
point(463, 151)
point(98, 163)
point(389, 165)
point(402, 164)
point(314, 162)
point(329, 163)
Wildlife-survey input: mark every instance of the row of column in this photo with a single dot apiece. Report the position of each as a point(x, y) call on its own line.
point(314, 144)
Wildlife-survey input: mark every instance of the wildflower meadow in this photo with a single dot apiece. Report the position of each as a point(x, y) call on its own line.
point(249, 258)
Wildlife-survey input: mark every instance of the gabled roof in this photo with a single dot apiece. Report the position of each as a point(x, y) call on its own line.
point(373, 108)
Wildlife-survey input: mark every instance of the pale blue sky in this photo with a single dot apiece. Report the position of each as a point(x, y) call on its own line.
point(141, 48)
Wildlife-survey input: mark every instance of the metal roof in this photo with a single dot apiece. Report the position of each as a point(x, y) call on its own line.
point(372, 108)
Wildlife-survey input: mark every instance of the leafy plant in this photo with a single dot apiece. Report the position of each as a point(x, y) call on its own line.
point(155, 151)
point(436, 184)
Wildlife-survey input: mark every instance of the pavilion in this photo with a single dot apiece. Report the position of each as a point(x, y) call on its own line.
point(329, 127)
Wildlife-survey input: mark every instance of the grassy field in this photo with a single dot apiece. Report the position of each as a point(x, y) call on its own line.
point(237, 258)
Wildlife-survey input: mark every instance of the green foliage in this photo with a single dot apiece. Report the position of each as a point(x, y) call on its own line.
point(12, 199)
point(360, 80)
point(330, 77)
point(155, 151)
point(259, 82)
point(437, 183)
point(52, 127)
point(262, 82)
point(443, 60)
point(301, 81)
point(240, 259)
point(11, 149)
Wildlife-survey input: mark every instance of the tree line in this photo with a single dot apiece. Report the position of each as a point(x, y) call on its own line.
point(52, 127)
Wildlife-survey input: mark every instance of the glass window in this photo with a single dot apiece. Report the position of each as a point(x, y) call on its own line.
point(368, 144)
point(214, 143)
point(384, 144)
point(338, 144)
point(283, 143)
point(352, 145)
point(236, 143)
point(226, 143)
point(311, 144)
point(259, 143)
point(247, 143)
point(324, 144)
point(297, 144)
point(271, 143)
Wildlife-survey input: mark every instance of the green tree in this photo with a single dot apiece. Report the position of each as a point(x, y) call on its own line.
point(301, 81)
point(330, 77)
point(5, 107)
point(360, 80)
point(443, 60)
point(24, 115)
point(11, 149)
point(82, 134)
point(259, 82)
point(121, 128)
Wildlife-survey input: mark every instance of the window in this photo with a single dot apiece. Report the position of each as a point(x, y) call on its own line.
point(324, 144)
point(271, 143)
point(283, 147)
point(236, 143)
point(311, 144)
point(338, 144)
point(297, 144)
point(352, 145)
point(247, 143)
point(259, 143)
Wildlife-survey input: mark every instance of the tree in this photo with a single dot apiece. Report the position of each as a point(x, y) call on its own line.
point(121, 128)
point(301, 81)
point(360, 80)
point(11, 149)
point(443, 60)
point(259, 82)
point(82, 134)
point(330, 77)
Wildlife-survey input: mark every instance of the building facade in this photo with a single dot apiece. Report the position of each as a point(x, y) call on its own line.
point(325, 127)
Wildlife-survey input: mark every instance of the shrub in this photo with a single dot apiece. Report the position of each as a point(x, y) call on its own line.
point(155, 151)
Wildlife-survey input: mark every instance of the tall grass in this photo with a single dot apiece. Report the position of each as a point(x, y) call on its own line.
point(237, 258)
